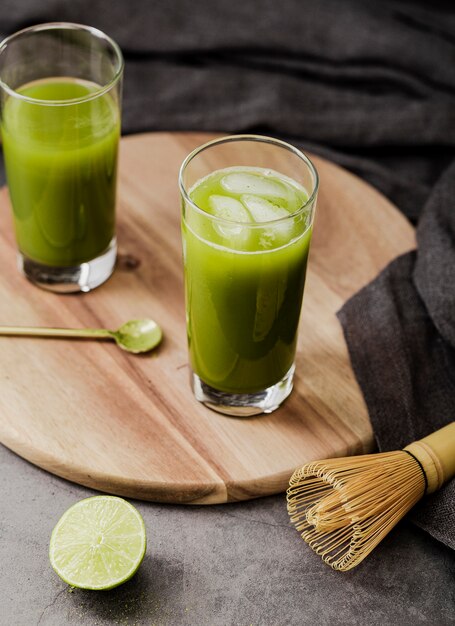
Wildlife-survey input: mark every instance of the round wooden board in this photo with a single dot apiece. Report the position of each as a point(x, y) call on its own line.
point(128, 424)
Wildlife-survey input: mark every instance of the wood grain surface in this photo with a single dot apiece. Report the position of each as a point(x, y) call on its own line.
point(129, 425)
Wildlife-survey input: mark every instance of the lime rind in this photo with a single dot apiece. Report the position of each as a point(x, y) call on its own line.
point(98, 543)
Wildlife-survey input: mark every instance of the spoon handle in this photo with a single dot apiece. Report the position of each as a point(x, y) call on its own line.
point(89, 333)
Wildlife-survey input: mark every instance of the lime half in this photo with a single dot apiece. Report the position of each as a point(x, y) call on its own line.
point(98, 543)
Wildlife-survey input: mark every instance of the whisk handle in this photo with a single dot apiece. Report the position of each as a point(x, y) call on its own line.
point(436, 454)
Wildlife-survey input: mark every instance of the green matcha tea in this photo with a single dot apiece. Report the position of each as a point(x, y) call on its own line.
point(61, 163)
point(245, 255)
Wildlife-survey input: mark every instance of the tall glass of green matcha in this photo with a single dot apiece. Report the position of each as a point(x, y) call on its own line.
point(60, 94)
point(247, 216)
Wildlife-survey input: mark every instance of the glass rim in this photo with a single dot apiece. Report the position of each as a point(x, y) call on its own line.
point(262, 139)
point(99, 34)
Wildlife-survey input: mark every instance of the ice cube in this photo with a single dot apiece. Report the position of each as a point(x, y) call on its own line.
point(231, 210)
point(228, 209)
point(241, 182)
point(261, 209)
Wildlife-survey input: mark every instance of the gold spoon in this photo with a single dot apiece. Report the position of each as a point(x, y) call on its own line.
point(134, 336)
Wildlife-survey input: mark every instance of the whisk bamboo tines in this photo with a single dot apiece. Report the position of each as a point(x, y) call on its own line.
point(343, 507)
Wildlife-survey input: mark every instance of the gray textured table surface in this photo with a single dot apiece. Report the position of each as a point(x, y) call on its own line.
point(237, 564)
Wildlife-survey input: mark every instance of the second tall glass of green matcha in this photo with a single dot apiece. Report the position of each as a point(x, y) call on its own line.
point(60, 92)
point(248, 205)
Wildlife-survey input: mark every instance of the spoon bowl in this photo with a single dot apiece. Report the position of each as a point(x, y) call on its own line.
point(138, 335)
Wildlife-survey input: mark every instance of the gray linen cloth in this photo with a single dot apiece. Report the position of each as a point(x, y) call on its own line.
point(400, 330)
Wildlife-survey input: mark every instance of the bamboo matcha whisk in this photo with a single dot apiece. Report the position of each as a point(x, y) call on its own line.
point(344, 507)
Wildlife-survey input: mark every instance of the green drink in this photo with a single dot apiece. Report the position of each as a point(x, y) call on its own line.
point(246, 237)
point(60, 95)
point(61, 168)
